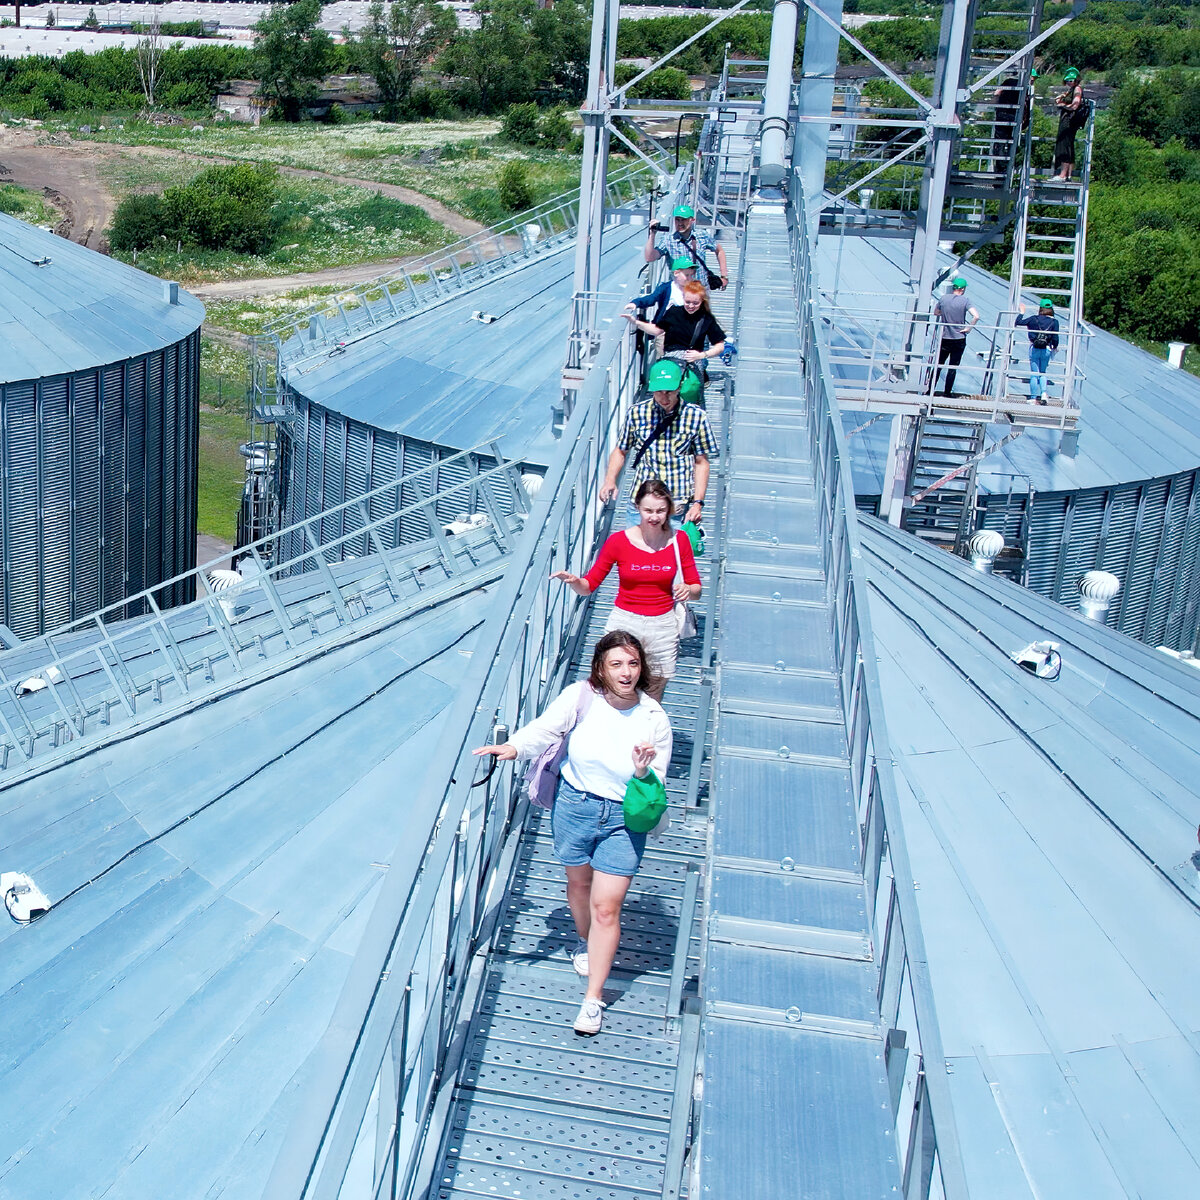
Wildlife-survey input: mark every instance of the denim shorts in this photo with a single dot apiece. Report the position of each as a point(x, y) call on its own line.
point(590, 830)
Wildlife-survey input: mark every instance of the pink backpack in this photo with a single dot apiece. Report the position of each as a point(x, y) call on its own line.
point(542, 776)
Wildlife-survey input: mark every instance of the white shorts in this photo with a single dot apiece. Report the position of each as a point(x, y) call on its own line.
point(659, 637)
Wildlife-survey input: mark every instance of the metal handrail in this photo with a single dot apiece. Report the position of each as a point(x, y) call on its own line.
point(378, 1065)
point(923, 1103)
point(885, 351)
point(150, 656)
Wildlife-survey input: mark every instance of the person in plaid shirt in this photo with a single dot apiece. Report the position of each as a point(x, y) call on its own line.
point(686, 241)
point(669, 441)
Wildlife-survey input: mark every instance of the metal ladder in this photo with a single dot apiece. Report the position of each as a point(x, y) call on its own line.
point(942, 480)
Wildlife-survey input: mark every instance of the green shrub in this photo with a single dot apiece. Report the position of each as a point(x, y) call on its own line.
point(137, 222)
point(512, 185)
point(521, 125)
point(223, 208)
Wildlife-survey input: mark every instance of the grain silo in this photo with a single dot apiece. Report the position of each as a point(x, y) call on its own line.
point(99, 384)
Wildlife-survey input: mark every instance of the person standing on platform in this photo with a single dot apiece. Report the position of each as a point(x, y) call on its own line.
point(956, 318)
point(685, 241)
point(1072, 116)
point(615, 734)
point(1043, 342)
point(670, 441)
point(1006, 97)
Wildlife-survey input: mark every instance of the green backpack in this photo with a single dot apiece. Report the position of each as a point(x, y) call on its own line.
point(691, 388)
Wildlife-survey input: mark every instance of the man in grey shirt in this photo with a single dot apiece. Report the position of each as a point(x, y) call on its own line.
point(956, 314)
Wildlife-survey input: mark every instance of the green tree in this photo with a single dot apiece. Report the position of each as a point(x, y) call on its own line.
point(520, 52)
point(397, 40)
point(292, 55)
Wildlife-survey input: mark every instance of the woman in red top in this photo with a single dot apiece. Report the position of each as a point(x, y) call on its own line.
point(647, 568)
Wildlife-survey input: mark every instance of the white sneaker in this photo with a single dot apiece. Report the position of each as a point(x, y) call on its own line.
point(579, 958)
point(591, 1017)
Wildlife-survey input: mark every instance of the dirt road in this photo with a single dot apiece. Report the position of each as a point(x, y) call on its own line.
point(68, 176)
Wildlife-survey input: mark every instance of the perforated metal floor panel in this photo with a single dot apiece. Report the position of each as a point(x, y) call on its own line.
point(539, 1112)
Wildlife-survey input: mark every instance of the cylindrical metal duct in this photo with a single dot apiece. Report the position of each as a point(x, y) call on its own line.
point(983, 546)
point(777, 94)
point(1096, 591)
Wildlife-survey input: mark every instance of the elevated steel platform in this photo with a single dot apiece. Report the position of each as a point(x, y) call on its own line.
point(971, 410)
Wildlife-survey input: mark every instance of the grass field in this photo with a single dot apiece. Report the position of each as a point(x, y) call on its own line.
point(222, 470)
point(26, 205)
point(462, 175)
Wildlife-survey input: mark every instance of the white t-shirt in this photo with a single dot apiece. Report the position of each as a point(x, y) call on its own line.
point(600, 748)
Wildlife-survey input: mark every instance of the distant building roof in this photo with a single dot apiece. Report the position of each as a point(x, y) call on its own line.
point(78, 309)
point(1139, 419)
point(1050, 827)
point(445, 378)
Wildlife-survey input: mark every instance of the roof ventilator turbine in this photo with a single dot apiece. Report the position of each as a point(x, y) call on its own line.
point(1096, 592)
point(983, 546)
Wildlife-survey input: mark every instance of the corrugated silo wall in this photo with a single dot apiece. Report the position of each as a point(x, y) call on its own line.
point(1147, 534)
point(98, 499)
point(326, 458)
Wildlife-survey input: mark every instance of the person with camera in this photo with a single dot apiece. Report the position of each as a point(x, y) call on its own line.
point(684, 240)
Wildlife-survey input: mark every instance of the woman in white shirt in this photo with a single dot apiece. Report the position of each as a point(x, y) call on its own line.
point(621, 731)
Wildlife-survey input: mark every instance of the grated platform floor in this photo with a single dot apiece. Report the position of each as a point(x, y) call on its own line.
point(539, 1112)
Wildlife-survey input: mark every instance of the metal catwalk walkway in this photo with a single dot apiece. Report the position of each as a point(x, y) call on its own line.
point(791, 1017)
point(539, 1111)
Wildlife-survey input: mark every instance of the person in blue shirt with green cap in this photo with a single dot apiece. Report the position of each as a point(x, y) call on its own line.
point(1043, 341)
point(686, 241)
point(668, 293)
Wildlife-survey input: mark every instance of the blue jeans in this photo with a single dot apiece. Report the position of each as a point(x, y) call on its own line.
point(590, 830)
point(1039, 363)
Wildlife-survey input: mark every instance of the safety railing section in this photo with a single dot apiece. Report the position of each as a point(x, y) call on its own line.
point(882, 353)
point(144, 659)
point(388, 1056)
point(427, 281)
point(916, 1067)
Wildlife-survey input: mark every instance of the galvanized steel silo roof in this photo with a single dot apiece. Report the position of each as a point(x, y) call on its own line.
point(64, 308)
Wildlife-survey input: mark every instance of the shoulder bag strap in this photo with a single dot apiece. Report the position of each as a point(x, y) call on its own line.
point(656, 433)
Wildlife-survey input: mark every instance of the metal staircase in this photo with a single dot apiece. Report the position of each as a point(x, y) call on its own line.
point(942, 480)
point(985, 176)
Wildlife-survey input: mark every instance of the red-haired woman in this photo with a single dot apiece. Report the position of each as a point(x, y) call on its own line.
point(687, 327)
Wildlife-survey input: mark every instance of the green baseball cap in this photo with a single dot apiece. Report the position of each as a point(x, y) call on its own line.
point(1070, 75)
point(1045, 304)
point(665, 376)
point(682, 264)
point(684, 210)
point(644, 804)
point(958, 281)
